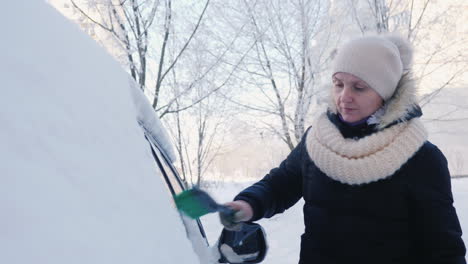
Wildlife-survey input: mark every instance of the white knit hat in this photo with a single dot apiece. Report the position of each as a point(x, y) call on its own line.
point(380, 61)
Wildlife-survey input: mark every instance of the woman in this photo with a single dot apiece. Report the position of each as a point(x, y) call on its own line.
point(375, 190)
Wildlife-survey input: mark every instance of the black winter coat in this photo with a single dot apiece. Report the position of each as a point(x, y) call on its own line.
point(407, 218)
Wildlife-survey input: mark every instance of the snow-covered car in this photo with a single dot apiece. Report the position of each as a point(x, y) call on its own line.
point(86, 173)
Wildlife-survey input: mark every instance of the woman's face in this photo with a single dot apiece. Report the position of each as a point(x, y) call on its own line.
point(354, 98)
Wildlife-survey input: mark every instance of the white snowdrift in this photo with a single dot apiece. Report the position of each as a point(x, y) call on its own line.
point(78, 183)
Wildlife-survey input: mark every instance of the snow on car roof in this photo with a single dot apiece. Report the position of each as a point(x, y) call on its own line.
point(148, 119)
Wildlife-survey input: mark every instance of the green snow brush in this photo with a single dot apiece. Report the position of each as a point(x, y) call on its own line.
point(196, 203)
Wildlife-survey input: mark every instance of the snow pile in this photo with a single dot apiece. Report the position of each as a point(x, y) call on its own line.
point(78, 181)
point(460, 195)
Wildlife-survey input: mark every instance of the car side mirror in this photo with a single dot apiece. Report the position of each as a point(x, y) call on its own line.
point(248, 245)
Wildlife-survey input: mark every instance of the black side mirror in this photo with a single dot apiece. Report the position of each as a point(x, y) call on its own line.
point(248, 245)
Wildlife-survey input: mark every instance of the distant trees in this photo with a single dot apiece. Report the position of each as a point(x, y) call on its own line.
point(166, 47)
point(199, 137)
point(202, 63)
point(435, 29)
point(127, 24)
point(288, 49)
point(131, 33)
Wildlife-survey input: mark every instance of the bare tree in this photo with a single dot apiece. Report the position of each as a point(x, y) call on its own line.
point(202, 139)
point(162, 72)
point(441, 54)
point(129, 23)
point(182, 65)
point(207, 147)
point(284, 67)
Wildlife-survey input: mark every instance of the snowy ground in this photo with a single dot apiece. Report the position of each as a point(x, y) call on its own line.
point(283, 231)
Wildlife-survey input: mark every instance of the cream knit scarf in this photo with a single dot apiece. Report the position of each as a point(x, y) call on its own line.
point(373, 157)
point(365, 160)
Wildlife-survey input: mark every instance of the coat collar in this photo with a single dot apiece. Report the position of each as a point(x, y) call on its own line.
point(370, 126)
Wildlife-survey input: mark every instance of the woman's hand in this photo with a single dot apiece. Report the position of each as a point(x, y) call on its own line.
point(243, 213)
